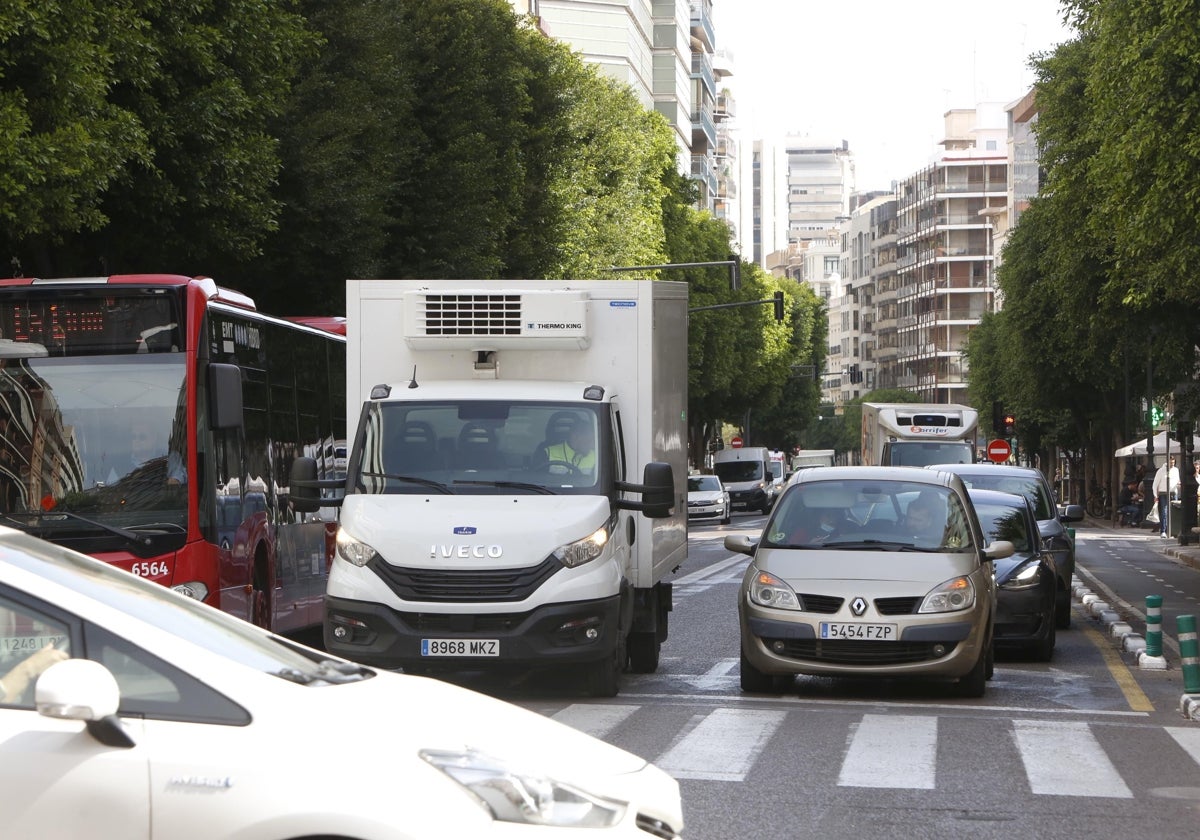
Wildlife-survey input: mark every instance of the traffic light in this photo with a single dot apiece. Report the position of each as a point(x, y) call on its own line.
point(855, 375)
point(998, 417)
point(779, 306)
point(1010, 424)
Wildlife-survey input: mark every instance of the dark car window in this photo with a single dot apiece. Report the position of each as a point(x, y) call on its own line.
point(1003, 522)
point(1030, 487)
point(155, 689)
point(24, 633)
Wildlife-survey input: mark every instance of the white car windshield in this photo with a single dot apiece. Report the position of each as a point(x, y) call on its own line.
point(175, 614)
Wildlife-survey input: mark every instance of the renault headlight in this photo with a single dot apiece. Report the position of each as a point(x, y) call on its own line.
point(953, 595)
point(583, 551)
point(352, 551)
point(766, 590)
point(520, 796)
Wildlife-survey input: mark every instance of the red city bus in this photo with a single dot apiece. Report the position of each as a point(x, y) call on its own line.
point(151, 421)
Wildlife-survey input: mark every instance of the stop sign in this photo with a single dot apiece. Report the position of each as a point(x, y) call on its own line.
point(998, 451)
point(735, 442)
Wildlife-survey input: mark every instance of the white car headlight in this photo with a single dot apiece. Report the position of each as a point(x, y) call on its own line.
point(766, 590)
point(353, 551)
point(953, 595)
point(584, 550)
point(518, 796)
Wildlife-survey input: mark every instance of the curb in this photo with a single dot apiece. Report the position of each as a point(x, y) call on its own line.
point(1130, 642)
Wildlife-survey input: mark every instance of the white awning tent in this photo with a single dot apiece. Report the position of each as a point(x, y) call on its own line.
point(1162, 441)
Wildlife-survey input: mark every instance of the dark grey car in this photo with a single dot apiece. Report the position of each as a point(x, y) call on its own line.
point(1051, 522)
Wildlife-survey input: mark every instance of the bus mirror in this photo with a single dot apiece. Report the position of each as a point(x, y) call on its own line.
point(224, 396)
point(304, 492)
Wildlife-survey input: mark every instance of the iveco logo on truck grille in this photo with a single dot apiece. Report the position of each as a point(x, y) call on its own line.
point(554, 325)
point(466, 552)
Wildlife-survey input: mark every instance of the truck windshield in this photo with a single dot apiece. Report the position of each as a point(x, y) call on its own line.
point(913, 453)
point(100, 437)
point(483, 447)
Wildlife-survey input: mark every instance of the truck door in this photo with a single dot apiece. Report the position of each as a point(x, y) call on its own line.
point(626, 531)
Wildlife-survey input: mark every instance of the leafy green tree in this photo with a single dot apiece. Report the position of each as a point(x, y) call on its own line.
point(148, 123)
point(63, 140)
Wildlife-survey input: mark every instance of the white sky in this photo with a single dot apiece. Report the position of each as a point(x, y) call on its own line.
point(879, 74)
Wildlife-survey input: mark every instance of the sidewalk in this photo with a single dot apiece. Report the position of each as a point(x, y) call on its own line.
point(1187, 554)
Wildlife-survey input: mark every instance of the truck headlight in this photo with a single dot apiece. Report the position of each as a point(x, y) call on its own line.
point(352, 551)
point(583, 551)
point(517, 796)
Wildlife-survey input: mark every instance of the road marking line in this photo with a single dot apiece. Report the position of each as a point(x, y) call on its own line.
point(723, 746)
point(891, 751)
point(1065, 759)
point(1122, 676)
point(709, 571)
point(595, 720)
point(1187, 738)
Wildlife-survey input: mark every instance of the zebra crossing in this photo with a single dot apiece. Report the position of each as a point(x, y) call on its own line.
point(884, 750)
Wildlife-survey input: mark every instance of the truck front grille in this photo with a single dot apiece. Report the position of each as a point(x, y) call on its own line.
point(464, 585)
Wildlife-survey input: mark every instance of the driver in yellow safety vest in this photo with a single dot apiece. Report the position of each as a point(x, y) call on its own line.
point(576, 450)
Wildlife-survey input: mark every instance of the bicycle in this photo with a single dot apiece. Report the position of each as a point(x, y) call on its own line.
point(1099, 503)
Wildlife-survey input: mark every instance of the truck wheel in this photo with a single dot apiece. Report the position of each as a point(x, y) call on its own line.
point(643, 652)
point(603, 678)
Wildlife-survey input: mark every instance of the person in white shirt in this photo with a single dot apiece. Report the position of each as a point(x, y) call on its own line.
point(1166, 487)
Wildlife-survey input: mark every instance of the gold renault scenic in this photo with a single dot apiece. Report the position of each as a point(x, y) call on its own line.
point(869, 571)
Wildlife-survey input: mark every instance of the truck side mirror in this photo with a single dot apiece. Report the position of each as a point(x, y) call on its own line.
point(658, 495)
point(304, 492)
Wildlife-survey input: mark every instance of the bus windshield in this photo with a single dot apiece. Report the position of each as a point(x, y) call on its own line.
point(93, 443)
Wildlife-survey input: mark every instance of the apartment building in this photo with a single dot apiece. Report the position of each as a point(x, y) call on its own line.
point(944, 263)
point(820, 180)
point(663, 49)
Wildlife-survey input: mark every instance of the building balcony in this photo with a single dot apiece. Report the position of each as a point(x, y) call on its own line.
point(702, 123)
point(702, 69)
point(702, 170)
point(702, 25)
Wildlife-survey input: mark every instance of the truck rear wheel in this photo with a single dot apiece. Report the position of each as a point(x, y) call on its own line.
point(643, 652)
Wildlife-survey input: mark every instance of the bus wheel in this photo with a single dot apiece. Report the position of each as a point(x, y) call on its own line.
point(260, 602)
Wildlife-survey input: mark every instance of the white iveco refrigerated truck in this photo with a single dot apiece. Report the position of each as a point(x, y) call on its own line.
point(516, 493)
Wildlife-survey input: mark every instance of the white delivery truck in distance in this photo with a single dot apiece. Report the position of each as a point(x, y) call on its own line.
point(746, 473)
point(813, 458)
point(492, 517)
point(918, 434)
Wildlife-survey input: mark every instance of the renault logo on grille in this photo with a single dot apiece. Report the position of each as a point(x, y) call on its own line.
point(858, 606)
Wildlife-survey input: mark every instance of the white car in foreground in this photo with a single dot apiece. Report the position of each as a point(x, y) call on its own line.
point(166, 718)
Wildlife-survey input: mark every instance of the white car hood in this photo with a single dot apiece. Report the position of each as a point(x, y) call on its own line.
point(478, 532)
point(708, 496)
point(401, 714)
